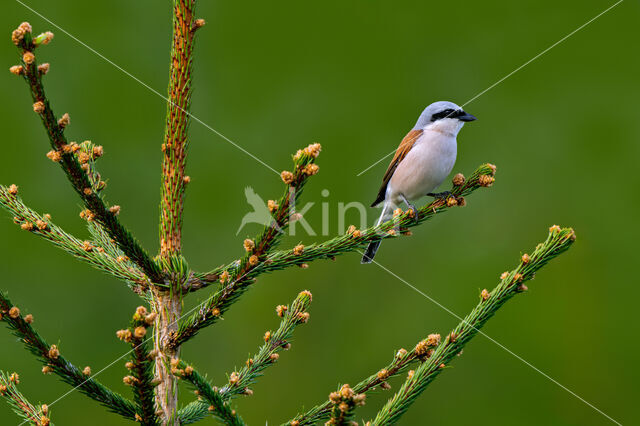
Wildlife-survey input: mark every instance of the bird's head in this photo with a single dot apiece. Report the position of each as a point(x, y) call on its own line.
point(443, 116)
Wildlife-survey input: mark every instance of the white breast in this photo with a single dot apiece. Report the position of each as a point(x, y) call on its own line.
point(425, 167)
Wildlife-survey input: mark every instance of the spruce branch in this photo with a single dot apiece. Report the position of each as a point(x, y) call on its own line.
point(54, 362)
point(275, 342)
point(38, 416)
point(98, 253)
point(238, 279)
point(512, 283)
point(69, 155)
point(354, 239)
point(344, 403)
point(210, 401)
point(141, 365)
point(432, 354)
point(174, 180)
point(402, 360)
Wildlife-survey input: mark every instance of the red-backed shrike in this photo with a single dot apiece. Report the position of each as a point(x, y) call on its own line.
point(421, 163)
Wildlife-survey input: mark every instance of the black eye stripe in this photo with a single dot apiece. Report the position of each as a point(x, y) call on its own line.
point(447, 113)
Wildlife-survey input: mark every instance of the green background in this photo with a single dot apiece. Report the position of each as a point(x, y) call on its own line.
point(354, 76)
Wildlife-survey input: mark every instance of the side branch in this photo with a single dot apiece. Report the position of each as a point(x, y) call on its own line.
point(558, 241)
point(38, 416)
point(54, 362)
point(141, 365)
point(275, 342)
point(91, 252)
point(239, 278)
point(435, 355)
point(213, 403)
point(354, 239)
point(64, 154)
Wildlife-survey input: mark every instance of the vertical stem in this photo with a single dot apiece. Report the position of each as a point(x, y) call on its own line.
point(169, 304)
point(175, 141)
point(169, 309)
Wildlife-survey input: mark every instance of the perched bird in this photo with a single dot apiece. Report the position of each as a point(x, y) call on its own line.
point(421, 163)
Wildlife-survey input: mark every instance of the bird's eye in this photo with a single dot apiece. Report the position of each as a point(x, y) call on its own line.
point(447, 113)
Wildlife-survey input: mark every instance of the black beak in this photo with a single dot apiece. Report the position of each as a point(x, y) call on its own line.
point(465, 116)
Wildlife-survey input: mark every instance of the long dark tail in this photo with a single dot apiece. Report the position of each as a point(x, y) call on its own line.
point(373, 247)
point(370, 252)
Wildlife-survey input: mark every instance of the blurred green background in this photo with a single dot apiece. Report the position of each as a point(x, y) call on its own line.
point(354, 76)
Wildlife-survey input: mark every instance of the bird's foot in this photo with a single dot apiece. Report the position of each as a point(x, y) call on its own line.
point(413, 212)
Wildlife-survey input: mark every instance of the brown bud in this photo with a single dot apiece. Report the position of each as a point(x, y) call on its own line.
point(64, 121)
point(433, 340)
point(13, 190)
point(253, 260)
point(452, 201)
point(303, 317)
point(115, 210)
point(54, 352)
point(313, 150)
point(28, 58)
point(234, 378)
point(274, 357)
point(526, 258)
point(97, 151)
point(54, 156)
point(140, 332)
point(272, 205)
point(44, 68)
point(486, 180)
point(124, 335)
point(281, 310)
point(27, 226)
point(28, 319)
point(287, 177)
point(47, 369)
point(17, 70)
point(14, 312)
point(310, 169)
point(86, 371)
point(267, 336)
point(458, 179)
point(249, 245)
point(306, 293)
point(298, 250)
point(485, 294)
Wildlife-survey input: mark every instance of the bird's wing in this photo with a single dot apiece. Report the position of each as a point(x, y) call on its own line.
point(402, 151)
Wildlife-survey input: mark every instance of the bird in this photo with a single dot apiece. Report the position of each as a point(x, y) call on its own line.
point(421, 163)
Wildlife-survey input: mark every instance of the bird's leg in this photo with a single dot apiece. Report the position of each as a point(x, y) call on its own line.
point(440, 195)
point(411, 206)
